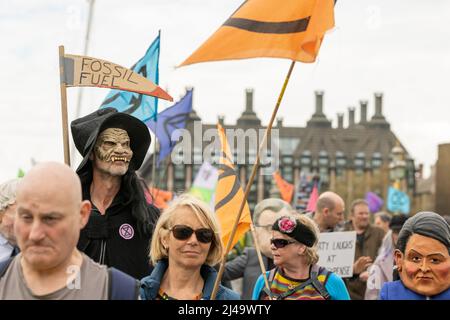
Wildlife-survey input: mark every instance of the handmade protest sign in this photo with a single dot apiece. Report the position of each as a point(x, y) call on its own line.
point(337, 252)
point(83, 71)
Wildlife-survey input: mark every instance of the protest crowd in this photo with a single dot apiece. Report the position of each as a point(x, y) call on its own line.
point(99, 232)
point(94, 233)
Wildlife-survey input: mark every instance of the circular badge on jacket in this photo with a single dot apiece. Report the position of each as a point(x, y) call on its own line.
point(126, 231)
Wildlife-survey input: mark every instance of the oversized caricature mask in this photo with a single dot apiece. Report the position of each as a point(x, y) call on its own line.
point(425, 266)
point(112, 152)
point(422, 256)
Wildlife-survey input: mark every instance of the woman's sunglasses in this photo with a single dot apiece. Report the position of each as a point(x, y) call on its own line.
point(182, 232)
point(281, 243)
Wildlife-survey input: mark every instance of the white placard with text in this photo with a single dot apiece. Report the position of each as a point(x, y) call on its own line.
point(337, 252)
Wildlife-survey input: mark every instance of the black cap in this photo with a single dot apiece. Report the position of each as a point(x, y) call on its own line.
point(397, 222)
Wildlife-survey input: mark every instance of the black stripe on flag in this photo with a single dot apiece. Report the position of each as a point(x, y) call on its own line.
point(295, 26)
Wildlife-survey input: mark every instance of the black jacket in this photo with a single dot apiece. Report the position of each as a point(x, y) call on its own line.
point(113, 239)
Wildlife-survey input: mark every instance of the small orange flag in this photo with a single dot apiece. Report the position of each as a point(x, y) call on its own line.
point(292, 29)
point(161, 198)
point(286, 189)
point(229, 196)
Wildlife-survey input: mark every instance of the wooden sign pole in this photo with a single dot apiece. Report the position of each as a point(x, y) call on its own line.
point(65, 127)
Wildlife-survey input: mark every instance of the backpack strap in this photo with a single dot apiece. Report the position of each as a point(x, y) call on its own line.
point(122, 286)
point(315, 271)
point(313, 280)
point(4, 266)
point(299, 287)
point(272, 273)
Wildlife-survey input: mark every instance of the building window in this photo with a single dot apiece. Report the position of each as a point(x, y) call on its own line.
point(377, 161)
point(410, 174)
point(288, 145)
point(267, 185)
point(195, 169)
point(179, 178)
point(198, 157)
point(324, 175)
point(179, 172)
point(341, 163)
point(287, 173)
point(252, 194)
point(323, 158)
point(288, 160)
point(305, 159)
point(359, 163)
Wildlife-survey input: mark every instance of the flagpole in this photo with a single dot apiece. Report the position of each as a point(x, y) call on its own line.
point(260, 258)
point(86, 46)
point(154, 163)
point(64, 106)
point(156, 115)
point(250, 182)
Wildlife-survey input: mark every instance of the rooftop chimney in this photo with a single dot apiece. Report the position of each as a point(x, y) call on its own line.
point(319, 119)
point(319, 102)
point(378, 105)
point(351, 116)
point(378, 119)
point(249, 100)
point(363, 106)
point(279, 122)
point(340, 120)
point(248, 117)
point(221, 120)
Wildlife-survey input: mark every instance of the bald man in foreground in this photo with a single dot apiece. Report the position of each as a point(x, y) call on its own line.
point(50, 215)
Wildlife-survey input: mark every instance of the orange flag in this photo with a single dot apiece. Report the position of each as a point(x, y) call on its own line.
point(229, 196)
point(292, 29)
point(286, 189)
point(161, 198)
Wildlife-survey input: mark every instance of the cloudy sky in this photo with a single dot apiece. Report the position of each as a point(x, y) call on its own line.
point(400, 48)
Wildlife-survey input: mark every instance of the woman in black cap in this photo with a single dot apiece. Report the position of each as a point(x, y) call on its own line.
point(297, 275)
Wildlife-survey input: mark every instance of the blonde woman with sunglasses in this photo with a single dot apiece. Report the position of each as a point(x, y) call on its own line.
point(297, 275)
point(185, 246)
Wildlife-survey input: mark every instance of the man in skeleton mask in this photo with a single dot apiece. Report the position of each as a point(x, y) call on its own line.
point(113, 146)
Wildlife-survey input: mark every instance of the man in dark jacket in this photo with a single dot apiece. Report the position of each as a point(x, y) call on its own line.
point(113, 145)
point(368, 240)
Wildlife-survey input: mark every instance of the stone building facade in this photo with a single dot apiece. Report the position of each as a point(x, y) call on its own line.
point(350, 160)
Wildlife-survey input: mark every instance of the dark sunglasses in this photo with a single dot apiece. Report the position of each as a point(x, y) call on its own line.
point(281, 243)
point(182, 232)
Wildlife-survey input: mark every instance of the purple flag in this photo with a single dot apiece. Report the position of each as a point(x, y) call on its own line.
point(374, 201)
point(168, 122)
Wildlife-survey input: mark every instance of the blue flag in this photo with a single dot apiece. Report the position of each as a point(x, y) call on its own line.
point(171, 119)
point(141, 106)
point(397, 201)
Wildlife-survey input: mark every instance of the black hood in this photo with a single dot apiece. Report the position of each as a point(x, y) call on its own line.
point(85, 131)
